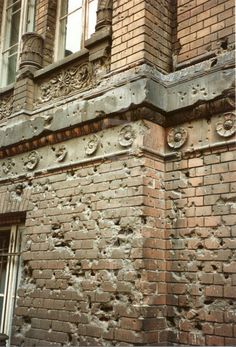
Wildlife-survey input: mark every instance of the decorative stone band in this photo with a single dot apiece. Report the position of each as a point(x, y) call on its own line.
point(108, 143)
point(58, 137)
point(32, 50)
point(226, 127)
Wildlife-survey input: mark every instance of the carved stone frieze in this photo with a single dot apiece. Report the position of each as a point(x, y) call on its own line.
point(92, 145)
point(227, 125)
point(126, 136)
point(176, 137)
point(76, 150)
point(66, 82)
point(31, 161)
point(6, 105)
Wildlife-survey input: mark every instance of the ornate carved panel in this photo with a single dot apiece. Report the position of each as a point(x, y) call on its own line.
point(6, 105)
point(65, 82)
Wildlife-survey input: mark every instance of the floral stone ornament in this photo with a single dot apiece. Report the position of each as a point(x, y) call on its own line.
point(177, 137)
point(126, 136)
point(8, 166)
point(61, 153)
point(227, 126)
point(31, 161)
point(92, 145)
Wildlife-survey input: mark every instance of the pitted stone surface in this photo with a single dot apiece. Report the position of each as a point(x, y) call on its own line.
point(119, 93)
point(106, 143)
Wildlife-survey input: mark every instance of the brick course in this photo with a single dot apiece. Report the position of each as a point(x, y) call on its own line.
point(142, 31)
point(206, 256)
point(204, 28)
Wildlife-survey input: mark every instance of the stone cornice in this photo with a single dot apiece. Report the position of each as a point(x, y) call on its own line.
point(141, 92)
point(108, 141)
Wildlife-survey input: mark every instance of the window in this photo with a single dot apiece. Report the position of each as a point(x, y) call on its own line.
point(76, 23)
point(9, 274)
point(18, 18)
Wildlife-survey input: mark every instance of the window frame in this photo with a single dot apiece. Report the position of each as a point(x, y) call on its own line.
point(5, 32)
point(84, 27)
point(12, 278)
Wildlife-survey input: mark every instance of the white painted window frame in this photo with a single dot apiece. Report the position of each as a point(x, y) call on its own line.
point(12, 278)
point(84, 25)
point(5, 34)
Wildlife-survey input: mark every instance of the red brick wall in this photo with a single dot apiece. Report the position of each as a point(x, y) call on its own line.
point(204, 27)
point(81, 271)
point(46, 14)
point(142, 31)
point(201, 266)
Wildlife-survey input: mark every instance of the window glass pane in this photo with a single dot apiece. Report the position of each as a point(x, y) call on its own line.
point(72, 40)
point(15, 4)
point(13, 49)
point(9, 270)
point(15, 26)
point(1, 309)
point(68, 6)
point(11, 68)
point(4, 246)
point(73, 5)
point(3, 269)
point(30, 21)
point(92, 17)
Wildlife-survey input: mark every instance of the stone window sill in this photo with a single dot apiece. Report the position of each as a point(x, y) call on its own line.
point(80, 55)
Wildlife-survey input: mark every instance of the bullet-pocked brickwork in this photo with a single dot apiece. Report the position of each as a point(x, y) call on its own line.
point(87, 243)
point(120, 173)
point(204, 28)
point(200, 255)
point(46, 14)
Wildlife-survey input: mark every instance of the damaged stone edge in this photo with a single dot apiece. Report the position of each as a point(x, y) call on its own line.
point(69, 165)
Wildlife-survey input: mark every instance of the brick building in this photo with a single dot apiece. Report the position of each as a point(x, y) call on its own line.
point(117, 172)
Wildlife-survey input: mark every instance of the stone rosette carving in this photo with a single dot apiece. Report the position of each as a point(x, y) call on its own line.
point(92, 145)
point(65, 82)
point(6, 105)
point(8, 165)
point(31, 161)
point(61, 153)
point(227, 125)
point(126, 136)
point(177, 137)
